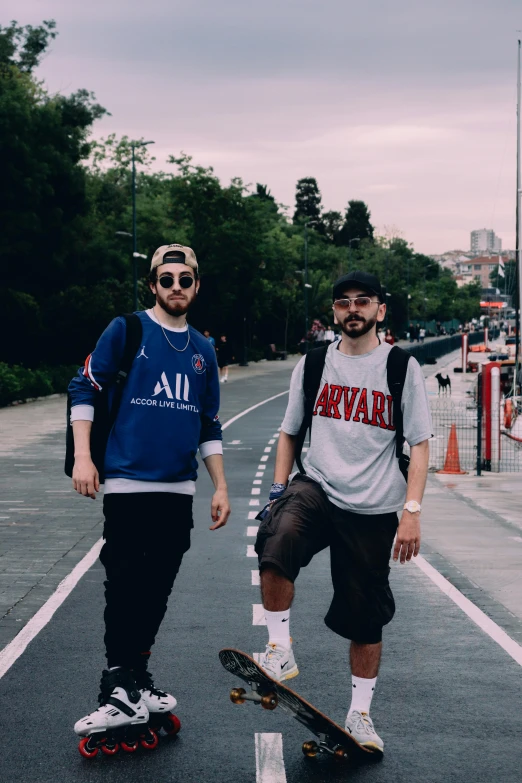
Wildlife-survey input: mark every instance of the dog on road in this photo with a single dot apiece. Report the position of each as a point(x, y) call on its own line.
point(444, 383)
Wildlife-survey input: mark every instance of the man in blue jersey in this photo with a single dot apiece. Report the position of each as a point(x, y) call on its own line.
point(168, 410)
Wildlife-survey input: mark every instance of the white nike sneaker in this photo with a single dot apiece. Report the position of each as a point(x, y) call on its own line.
point(360, 726)
point(279, 662)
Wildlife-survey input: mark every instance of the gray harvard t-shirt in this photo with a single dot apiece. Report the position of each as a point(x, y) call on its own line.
point(352, 450)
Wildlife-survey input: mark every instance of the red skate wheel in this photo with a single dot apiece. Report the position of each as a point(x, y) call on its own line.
point(86, 752)
point(172, 725)
point(110, 750)
point(149, 742)
point(129, 747)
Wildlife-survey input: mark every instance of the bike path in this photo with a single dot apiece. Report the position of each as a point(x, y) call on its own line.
point(447, 701)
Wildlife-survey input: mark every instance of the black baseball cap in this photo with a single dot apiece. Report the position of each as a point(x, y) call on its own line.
point(369, 283)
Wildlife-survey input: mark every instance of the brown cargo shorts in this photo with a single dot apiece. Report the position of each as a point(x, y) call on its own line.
point(301, 523)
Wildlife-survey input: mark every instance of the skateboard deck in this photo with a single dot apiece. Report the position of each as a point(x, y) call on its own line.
point(270, 694)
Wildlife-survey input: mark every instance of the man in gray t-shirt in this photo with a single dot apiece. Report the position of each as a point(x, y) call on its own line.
point(348, 497)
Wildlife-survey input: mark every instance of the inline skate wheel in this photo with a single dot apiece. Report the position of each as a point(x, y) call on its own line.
point(110, 749)
point(85, 750)
point(129, 747)
point(149, 741)
point(172, 725)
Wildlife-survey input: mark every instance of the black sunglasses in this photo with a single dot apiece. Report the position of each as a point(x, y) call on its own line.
point(167, 281)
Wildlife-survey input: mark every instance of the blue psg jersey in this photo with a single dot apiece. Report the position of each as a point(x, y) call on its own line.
point(169, 405)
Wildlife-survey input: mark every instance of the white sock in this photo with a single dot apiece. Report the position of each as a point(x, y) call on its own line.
point(278, 624)
point(362, 694)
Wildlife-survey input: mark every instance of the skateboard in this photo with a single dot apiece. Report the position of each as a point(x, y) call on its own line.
point(332, 739)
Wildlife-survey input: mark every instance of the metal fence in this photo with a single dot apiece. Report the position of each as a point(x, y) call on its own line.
point(458, 440)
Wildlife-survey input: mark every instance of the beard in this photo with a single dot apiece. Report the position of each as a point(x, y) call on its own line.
point(174, 308)
point(360, 326)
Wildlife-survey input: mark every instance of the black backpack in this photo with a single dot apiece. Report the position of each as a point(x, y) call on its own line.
point(396, 368)
point(104, 417)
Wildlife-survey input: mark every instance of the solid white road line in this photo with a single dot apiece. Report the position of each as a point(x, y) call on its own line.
point(270, 766)
point(258, 614)
point(252, 530)
point(251, 552)
point(484, 622)
point(243, 413)
point(16, 647)
point(255, 577)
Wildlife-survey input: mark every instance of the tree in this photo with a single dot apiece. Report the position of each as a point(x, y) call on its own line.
point(332, 224)
point(356, 224)
point(308, 203)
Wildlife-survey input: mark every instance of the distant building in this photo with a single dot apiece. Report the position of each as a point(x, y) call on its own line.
point(478, 269)
point(485, 241)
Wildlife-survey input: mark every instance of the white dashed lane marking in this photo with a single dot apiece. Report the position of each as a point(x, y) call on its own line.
point(252, 514)
point(252, 531)
point(257, 481)
point(267, 450)
point(253, 503)
point(258, 614)
point(264, 459)
point(256, 491)
point(255, 577)
point(270, 766)
point(251, 552)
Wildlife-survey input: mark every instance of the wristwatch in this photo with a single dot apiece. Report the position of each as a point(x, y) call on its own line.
point(412, 506)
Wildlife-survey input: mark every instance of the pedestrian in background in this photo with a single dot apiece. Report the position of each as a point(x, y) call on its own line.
point(329, 335)
point(223, 356)
point(209, 337)
point(422, 334)
point(389, 338)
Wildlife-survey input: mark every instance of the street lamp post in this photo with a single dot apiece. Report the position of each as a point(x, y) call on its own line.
point(135, 254)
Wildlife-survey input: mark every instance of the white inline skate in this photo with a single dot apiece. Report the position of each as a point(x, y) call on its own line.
point(121, 720)
point(158, 703)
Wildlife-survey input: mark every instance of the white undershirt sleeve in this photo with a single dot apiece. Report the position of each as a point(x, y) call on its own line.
point(82, 413)
point(210, 447)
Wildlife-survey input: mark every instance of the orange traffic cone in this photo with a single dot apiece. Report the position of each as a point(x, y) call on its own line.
point(452, 462)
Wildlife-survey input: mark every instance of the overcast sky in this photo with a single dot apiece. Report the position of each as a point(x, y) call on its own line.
point(409, 105)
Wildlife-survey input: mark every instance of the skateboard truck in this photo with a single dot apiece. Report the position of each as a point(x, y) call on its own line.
point(311, 748)
point(268, 700)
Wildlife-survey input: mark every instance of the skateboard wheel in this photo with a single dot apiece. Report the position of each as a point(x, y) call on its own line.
point(269, 701)
point(341, 754)
point(85, 750)
point(310, 749)
point(236, 695)
point(171, 725)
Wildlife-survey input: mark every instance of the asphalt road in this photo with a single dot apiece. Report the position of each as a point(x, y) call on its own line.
point(448, 697)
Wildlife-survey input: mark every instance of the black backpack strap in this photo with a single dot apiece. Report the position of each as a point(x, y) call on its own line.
point(396, 369)
point(313, 371)
point(133, 335)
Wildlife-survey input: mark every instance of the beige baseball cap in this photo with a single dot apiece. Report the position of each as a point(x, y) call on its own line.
point(174, 254)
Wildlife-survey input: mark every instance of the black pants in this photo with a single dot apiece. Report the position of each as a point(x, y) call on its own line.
point(146, 535)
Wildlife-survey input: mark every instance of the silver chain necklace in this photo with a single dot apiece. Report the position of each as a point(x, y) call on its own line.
point(179, 350)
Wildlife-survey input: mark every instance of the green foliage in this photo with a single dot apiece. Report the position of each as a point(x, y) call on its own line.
point(66, 253)
point(308, 203)
point(356, 226)
point(19, 383)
